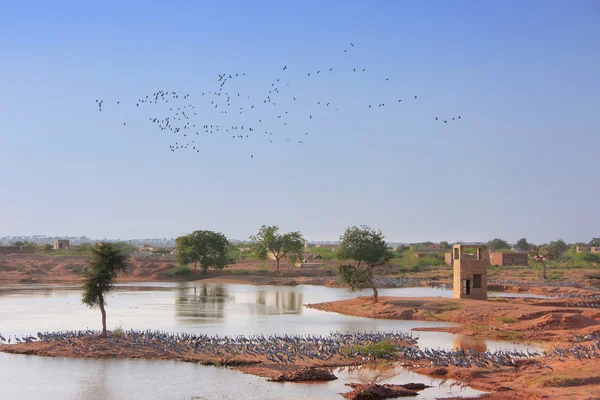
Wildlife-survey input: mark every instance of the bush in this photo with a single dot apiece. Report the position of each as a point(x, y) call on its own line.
point(380, 349)
point(182, 270)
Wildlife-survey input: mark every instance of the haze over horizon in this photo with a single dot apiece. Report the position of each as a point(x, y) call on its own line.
point(522, 162)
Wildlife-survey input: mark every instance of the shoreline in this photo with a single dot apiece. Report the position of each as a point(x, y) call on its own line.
point(552, 322)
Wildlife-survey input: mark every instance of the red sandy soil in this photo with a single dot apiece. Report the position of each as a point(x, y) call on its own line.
point(513, 319)
point(68, 269)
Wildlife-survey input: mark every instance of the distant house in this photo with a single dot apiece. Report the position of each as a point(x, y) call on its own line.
point(61, 244)
point(309, 245)
point(595, 249)
point(508, 258)
point(449, 259)
point(582, 249)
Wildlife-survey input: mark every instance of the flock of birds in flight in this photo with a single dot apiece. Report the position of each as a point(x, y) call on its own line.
point(271, 124)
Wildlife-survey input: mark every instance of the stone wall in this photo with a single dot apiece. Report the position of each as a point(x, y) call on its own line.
point(16, 250)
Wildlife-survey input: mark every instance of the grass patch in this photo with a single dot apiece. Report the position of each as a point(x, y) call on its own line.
point(507, 320)
point(380, 349)
point(511, 335)
point(240, 272)
point(182, 270)
point(436, 314)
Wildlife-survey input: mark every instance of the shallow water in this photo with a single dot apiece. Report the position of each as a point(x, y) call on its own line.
point(223, 309)
point(194, 307)
point(30, 377)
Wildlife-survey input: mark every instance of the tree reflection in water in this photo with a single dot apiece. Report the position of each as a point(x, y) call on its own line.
point(202, 302)
point(278, 302)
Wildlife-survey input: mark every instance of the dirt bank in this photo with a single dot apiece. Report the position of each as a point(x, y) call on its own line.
point(497, 318)
point(553, 322)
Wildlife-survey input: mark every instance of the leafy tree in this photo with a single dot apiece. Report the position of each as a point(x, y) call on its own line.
point(445, 245)
point(522, 244)
point(269, 240)
point(541, 254)
point(48, 247)
point(208, 248)
point(368, 248)
point(107, 261)
point(497, 244)
point(595, 242)
point(558, 247)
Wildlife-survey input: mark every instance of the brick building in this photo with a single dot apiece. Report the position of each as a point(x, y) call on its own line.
point(470, 271)
point(508, 258)
point(61, 244)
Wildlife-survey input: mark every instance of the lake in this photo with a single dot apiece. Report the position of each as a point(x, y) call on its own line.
point(194, 307)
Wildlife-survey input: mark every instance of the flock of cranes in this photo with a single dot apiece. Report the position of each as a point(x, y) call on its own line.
point(273, 115)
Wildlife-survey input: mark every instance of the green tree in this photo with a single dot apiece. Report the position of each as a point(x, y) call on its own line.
point(445, 245)
point(541, 254)
point(269, 240)
point(107, 261)
point(48, 247)
point(208, 248)
point(558, 247)
point(522, 244)
point(367, 247)
point(498, 244)
point(595, 242)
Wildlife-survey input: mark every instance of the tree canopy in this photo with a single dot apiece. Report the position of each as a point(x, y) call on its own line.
point(368, 248)
point(210, 249)
point(557, 247)
point(541, 254)
point(269, 240)
point(594, 242)
point(498, 244)
point(522, 244)
point(107, 261)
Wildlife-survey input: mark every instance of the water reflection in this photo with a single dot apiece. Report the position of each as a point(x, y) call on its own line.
point(279, 302)
point(201, 302)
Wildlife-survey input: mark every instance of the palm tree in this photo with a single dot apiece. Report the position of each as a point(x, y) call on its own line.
point(108, 260)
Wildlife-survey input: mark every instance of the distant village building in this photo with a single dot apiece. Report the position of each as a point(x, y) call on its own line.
point(309, 245)
point(448, 258)
point(587, 249)
point(61, 244)
point(509, 258)
point(470, 271)
point(582, 249)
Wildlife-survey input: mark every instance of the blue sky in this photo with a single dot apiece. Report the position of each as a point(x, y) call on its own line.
point(521, 162)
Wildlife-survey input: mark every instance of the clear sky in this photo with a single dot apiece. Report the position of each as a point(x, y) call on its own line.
point(523, 160)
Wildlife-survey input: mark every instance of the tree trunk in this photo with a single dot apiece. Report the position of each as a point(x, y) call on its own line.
point(196, 264)
point(544, 275)
point(277, 263)
point(375, 292)
point(103, 311)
